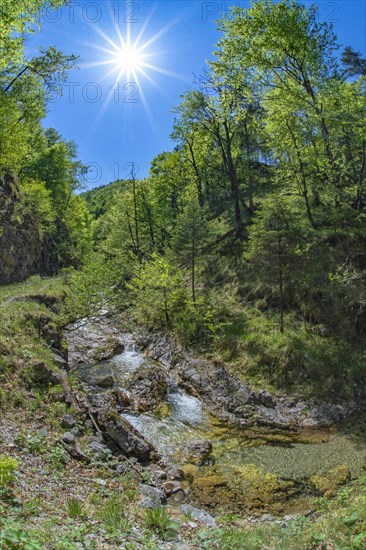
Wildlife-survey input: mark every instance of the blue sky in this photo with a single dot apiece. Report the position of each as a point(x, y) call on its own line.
point(116, 122)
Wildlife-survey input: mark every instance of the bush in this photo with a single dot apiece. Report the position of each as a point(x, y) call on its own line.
point(8, 465)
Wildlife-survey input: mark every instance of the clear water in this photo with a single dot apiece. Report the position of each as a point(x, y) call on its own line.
point(187, 420)
point(184, 423)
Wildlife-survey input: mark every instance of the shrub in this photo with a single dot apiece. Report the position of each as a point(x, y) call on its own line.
point(8, 465)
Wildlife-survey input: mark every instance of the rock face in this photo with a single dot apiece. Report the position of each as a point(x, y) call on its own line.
point(148, 387)
point(107, 382)
point(93, 340)
point(23, 250)
point(233, 401)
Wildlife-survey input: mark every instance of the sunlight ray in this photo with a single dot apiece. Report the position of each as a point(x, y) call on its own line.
point(172, 74)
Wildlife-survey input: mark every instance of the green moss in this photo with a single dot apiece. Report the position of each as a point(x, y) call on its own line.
point(328, 484)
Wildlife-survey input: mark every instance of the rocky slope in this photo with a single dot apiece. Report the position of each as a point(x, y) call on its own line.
point(23, 250)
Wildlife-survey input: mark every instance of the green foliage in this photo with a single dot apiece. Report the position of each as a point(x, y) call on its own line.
point(42, 166)
point(91, 289)
point(8, 466)
point(15, 537)
point(75, 508)
point(159, 291)
point(56, 456)
point(159, 520)
point(100, 199)
point(112, 513)
point(191, 234)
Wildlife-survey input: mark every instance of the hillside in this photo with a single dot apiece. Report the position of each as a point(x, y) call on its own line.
point(99, 199)
point(182, 358)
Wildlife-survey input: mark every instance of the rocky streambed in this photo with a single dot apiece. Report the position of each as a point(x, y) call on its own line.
point(210, 440)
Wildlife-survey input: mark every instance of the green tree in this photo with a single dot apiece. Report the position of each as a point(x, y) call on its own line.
point(159, 291)
point(191, 234)
point(274, 248)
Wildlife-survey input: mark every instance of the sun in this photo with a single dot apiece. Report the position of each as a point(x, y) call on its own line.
point(129, 59)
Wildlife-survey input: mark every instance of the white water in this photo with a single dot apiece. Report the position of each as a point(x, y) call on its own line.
point(182, 425)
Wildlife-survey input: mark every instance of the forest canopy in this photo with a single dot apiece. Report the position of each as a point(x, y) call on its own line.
point(248, 238)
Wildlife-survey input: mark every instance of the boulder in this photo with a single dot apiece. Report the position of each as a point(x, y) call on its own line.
point(60, 361)
point(68, 438)
point(126, 438)
point(154, 493)
point(265, 398)
point(106, 382)
point(198, 515)
point(68, 422)
point(160, 474)
point(197, 452)
point(41, 374)
point(99, 449)
point(111, 349)
point(148, 503)
point(148, 386)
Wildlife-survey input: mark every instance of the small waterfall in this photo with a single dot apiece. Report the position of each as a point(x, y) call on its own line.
point(185, 419)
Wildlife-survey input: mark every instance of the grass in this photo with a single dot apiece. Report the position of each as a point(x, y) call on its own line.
point(25, 325)
point(75, 508)
point(300, 359)
point(158, 520)
point(112, 513)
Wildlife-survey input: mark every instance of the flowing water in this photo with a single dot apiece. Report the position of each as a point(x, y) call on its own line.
point(186, 420)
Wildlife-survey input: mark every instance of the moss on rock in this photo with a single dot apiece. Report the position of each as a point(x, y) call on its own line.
point(328, 484)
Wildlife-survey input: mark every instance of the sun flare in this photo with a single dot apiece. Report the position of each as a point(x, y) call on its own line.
point(129, 59)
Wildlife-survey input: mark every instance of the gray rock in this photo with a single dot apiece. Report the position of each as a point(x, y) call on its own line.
point(148, 503)
point(98, 448)
point(265, 398)
point(197, 452)
point(121, 469)
point(126, 437)
point(41, 374)
point(43, 432)
point(97, 437)
point(153, 492)
point(175, 473)
point(148, 386)
point(60, 361)
point(160, 474)
point(199, 515)
point(107, 382)
point(68, 438)
point(267, 517)
point(68, 421)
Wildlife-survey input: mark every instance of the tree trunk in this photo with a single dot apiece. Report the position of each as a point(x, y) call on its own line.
point(233, 180)
point(280, 274)
point(303, 177)
point(193, 273)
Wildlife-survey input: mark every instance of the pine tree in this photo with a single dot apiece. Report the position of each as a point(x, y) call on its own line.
point(191, 234)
